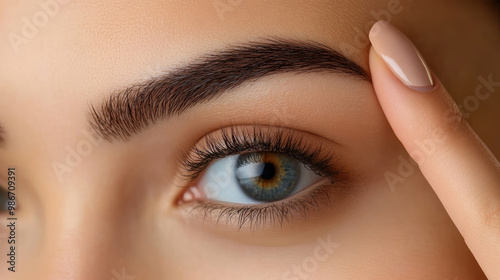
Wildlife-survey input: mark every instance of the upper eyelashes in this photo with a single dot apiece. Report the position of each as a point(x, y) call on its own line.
point(235, 140)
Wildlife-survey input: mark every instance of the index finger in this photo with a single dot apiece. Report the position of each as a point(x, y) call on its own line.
point(457, 164)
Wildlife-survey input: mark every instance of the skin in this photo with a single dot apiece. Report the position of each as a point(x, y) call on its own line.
point(117, 209)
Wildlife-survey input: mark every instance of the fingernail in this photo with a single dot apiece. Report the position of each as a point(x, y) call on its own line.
point(401, 56)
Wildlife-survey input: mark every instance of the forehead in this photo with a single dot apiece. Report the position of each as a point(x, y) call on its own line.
point(106, 42)
point(60, 55)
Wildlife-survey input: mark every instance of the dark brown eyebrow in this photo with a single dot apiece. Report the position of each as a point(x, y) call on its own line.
point(128, 112)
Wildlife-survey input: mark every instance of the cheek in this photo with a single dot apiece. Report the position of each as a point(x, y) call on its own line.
point(403, 231)
point(229, 259)
point(380, 232)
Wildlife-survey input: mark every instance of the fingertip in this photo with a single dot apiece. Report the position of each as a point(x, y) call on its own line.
point(375, 30)
point(401, 56)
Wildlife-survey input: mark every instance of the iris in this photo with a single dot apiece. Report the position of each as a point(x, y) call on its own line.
point(266, 176)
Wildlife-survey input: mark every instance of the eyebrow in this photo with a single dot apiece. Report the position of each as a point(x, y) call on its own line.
point(128, 112)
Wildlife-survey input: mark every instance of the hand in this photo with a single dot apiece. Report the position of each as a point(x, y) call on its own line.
point(461, 169)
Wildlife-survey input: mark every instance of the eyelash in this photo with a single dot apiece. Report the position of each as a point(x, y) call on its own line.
point(236, 140)
point(275, 213)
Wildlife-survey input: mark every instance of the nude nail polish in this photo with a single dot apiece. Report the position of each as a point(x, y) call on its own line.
point(402, 57)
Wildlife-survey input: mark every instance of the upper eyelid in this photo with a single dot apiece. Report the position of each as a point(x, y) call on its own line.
point(263, 126)
point(295, 135)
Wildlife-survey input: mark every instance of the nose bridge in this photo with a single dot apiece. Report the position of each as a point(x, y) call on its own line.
point(81, 240)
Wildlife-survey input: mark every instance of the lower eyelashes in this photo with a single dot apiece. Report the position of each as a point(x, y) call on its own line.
point(275, 214)
point(256, 175)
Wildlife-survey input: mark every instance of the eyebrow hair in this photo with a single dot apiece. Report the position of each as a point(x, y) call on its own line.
point(129, 111)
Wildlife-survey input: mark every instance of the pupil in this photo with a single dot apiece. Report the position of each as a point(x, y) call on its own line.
point(268, 172)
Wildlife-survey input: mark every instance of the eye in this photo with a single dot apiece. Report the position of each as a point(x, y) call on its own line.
point(259, 175)
point(254, 178)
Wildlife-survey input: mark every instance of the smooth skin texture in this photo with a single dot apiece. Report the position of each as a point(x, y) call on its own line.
point(461, 169)
point(116, 211)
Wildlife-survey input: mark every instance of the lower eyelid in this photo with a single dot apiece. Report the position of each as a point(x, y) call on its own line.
point(275, 214)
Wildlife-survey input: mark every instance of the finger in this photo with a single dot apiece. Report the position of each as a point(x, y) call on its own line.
point(462, 171)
